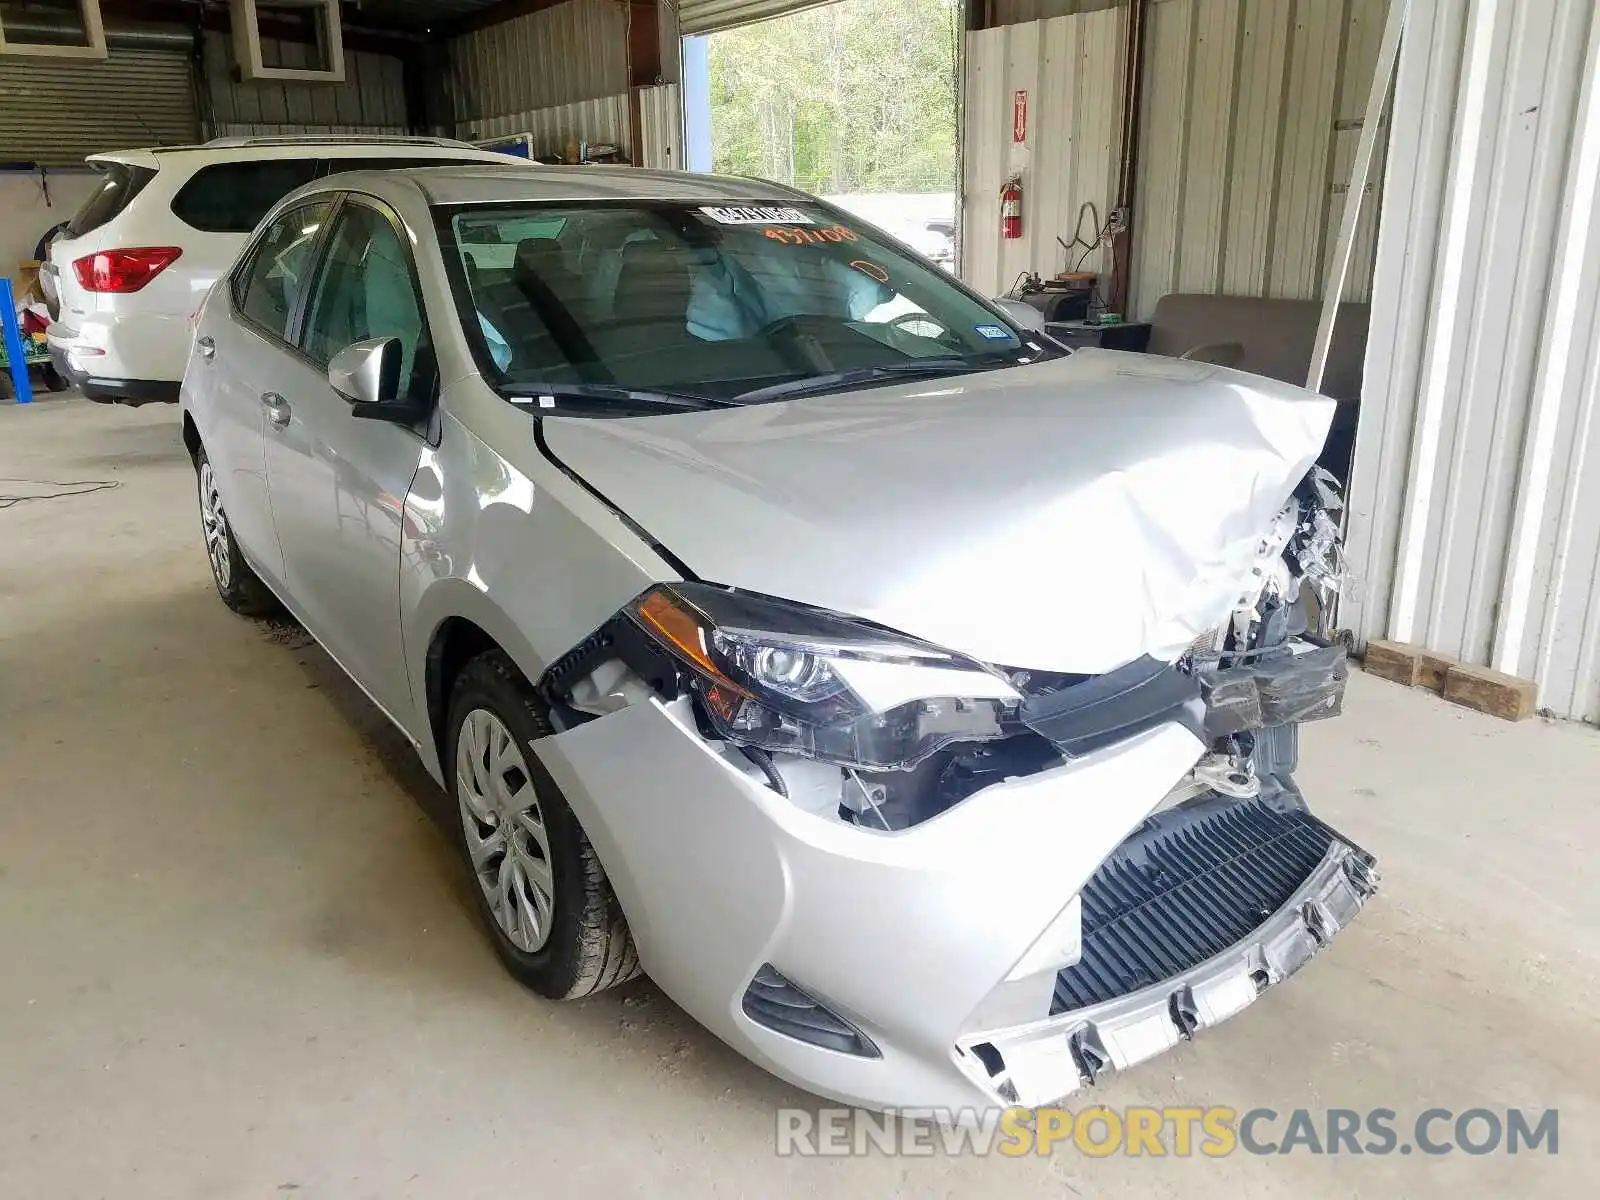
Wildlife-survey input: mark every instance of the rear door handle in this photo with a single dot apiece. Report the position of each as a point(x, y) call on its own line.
point(206, 346)
point(277, 409)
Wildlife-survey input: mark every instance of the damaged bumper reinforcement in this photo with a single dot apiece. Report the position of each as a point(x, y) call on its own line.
point(1273, 887)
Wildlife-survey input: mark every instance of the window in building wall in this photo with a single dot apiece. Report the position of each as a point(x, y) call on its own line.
point(68, 28)
point(288, 39)
point(294, 36)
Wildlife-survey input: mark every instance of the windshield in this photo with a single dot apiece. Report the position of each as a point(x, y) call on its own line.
point(725, 302)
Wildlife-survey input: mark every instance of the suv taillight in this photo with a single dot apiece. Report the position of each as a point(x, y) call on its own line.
point(123, 270)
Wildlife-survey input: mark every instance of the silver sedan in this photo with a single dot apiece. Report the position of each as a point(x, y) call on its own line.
point(916, 702)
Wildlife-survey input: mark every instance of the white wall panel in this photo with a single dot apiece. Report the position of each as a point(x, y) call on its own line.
point(660, 128)
point(31, 205)
point(1251, 114)
point(1475, 501)
point(1070, 68)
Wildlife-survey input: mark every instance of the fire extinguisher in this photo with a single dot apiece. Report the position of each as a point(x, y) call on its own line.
point(1011, 208)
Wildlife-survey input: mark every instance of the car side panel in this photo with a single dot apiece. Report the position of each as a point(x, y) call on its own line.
point(337, 486)
point(223, 394)
point(509, 542)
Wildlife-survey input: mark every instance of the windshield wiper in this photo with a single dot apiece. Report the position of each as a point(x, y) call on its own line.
point(914, 368)
point(530, 393)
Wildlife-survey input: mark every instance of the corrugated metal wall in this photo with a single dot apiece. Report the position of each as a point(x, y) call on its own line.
point(1013, 12)
point(708, 16)
point(1252, 111)
point(574, 52)
point(1475, 502)
point(1071, 69)
point(660, 128)
point(56, 110)
point(602, 120)
point(372, 98)
point(671, 35)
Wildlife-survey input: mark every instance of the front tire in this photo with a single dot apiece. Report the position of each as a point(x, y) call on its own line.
point(240, 588)
point(539, 887)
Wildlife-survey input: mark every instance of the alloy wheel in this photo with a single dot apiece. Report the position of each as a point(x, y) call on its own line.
point(505, 830)
point(215, 523)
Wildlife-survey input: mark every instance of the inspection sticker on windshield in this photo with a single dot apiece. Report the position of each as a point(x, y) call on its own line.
point(762, 214)
point(995, 333)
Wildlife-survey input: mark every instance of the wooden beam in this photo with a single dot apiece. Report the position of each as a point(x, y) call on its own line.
point(1431, 670)
point(644, 43)
point(644, 66)
point(217, 19)
point(1493, 692)
point(1392, 661)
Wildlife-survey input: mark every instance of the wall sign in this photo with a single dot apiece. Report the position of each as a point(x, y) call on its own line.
point(1019, 116)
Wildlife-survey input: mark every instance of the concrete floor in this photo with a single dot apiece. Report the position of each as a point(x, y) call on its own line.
point(237, 959)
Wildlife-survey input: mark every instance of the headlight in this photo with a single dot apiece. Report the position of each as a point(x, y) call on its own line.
point(798, 680)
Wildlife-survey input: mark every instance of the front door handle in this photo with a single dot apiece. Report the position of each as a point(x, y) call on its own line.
point(206, 345)
point(277, 409)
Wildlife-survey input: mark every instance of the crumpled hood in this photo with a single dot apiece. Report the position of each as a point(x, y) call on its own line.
point(1068, 516)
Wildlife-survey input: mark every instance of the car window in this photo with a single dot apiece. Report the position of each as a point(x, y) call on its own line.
point(119, 183)
point(717, 300)
point(269, 283)
point(366, 290)
point(233, 197)
point(493, 243)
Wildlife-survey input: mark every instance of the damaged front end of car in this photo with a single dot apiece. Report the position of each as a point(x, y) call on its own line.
point(967, 880)
point(1232, 884)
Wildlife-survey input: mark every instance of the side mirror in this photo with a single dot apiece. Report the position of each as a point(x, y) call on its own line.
point(367, 372)
point(1021, 313)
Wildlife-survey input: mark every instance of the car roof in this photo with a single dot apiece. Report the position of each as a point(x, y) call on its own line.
point(496, 184)
point(228, 150)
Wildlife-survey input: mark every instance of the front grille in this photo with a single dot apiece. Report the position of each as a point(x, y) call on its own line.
point(1187, 886)
point(773, 1001)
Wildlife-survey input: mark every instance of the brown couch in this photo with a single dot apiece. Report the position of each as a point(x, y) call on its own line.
point(1272, 338)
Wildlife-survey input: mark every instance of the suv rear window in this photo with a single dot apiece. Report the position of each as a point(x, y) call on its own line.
point(119, 183)
point(233, 197)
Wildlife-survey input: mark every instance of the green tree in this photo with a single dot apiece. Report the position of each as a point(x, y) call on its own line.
point(857, 96)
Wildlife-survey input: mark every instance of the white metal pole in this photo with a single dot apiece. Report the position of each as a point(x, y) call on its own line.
point(1377, 97)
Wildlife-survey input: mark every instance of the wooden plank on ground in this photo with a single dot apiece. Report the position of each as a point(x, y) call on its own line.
point(1493, 692)
point(1392, 660)
point(1432, 668)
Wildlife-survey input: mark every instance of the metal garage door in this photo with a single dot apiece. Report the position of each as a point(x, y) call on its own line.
point(708, 16)
point(55, 111)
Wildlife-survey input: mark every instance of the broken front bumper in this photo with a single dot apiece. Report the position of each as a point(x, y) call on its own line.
point(1185, 925)
point(902, 969)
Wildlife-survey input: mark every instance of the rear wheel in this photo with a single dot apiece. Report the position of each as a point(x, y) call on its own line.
point(239, 587)
point(540, 889)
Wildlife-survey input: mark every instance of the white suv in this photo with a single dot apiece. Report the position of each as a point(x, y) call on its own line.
point(133, 264)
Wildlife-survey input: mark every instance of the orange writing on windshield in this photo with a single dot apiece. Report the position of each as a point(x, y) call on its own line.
point(867, 267)
point(810, 235)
